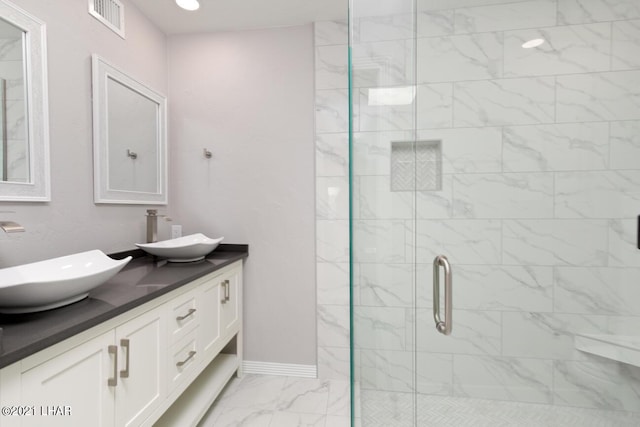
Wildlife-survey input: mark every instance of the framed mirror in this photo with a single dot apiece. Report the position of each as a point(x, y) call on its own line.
point(24, 122)
point(129, 138)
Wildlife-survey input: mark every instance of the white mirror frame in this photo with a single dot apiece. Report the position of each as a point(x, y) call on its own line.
point(102, 71)
point(38, 188)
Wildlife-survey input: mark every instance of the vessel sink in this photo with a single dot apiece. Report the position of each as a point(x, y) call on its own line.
point(189, 248)
point(55, 282)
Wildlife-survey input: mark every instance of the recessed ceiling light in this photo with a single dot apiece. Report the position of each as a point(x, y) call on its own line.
point(532, 43)
point(188, 4)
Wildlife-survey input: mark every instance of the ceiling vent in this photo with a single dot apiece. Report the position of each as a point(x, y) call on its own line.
point(110, 13)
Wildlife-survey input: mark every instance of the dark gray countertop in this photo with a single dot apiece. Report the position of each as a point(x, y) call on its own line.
point(141, 280)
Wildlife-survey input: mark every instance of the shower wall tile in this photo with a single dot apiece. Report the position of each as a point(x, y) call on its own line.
point(582, 11)
point(567, 49)
point(598, 194)
point(387, 370)
point(625, 145)
point(332, 110)
point(384, 63)
point(610, 291)
point(547, 335)
point(332, 241)
point(556, 147)
point(454, 4)
point(434, 373)
point(332, 283)
point(598, 96)
point(555, 242)
point(626, 45)
point(331, 32)
point(376, 201)
point(372, 151)
point(380, 28)
point(504, 102)
point(468, 150)
point(332, 154)
point(474, 332)
point(435, 109)
point(334, 363)
point(463, 241)
point(386, 285)
point(381, 240)
point(598, 384)
point(383, 117)
point(331, 68)
point(503, 378)
point(436, 204)
point(513, 195)
point(508, 16)
point(434, 23)
point(623, 250)
point(11, 49)
point(332, 197)
point(380, 328)
point(333, 326)
point(460, 57)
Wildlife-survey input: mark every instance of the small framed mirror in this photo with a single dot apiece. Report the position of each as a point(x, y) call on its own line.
point(24, 122)
point(129, 138)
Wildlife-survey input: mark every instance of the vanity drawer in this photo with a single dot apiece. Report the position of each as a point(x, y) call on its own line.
point(184, 316)
point(183, 359)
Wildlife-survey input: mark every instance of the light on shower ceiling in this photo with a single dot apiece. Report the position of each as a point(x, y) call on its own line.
point(188, 4)
point(532, 43)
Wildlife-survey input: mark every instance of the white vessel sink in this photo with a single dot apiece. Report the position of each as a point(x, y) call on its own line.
point(189, 248)
point(55, 282)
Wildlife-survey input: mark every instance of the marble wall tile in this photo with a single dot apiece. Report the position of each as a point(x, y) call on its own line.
point(330, 32)
point(334, 363)
point(381, 240)
point(598, 96)
point(332, 281)
point(384, 117)
point(507, 16)
point(547, 335)
point(13, 73)
point(625, 145)
point(332, 110)
point(503, 378)
point(626, 45)
point(434, 108)
point(380, 328)
point(384, 63)
point(555, 242)
point(16, 119)
point(571, 146)
point(504, 102)
point(597, 384)
point(332, 241)
point(339, 398)
point(581, 11)
point(436, 204)
point(11, 49)
point(386, 285)
point(332, 71)
point(383, 27)
point(332, 154)
point(462, 241)
point(434, 373)
point(512, 195)
point(333, 326)
point(623, 250)
point(474, 332)
point(332, 197)
point(567, 49)
point(597, 290)
point(434, 23)
point(459, 57)
point(372, 151)
point(377, 201)
point(598, 194)
point(453, 4)
point(387, 370)
point(493, 287)
point(468, 150)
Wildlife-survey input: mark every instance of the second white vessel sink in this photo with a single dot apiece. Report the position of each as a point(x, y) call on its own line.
point(189, 248)
point(55, 282)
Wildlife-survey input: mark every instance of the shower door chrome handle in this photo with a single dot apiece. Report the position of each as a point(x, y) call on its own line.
point(444, 327)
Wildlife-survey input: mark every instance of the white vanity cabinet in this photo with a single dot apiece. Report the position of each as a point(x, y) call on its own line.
point(163, 361)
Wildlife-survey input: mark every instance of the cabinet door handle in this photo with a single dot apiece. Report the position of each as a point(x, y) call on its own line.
point(189, 313)
point(224, 295)
point(125, 345)
point(189, 357)
point(112, 382)
point(227, 291)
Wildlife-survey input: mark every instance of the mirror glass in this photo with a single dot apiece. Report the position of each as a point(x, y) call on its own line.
point(24, 133)
point(129, 138)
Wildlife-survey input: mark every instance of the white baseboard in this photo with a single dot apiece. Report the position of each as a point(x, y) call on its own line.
point(285, 369)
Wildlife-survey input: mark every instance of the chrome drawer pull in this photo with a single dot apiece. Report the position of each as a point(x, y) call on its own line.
point(112, 382)
point(190, 356)
point(125, 345)
point(189, 313)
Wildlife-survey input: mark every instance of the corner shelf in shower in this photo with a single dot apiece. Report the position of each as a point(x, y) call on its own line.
point(622, 348)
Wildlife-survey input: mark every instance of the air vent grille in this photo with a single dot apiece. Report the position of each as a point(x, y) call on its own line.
point(110, 13)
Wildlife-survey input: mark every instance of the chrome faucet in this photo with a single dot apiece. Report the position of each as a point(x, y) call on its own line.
point(152, 224)
point(11, 227)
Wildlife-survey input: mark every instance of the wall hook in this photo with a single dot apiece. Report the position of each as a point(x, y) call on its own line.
point(207, 153)
point(132, 154)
